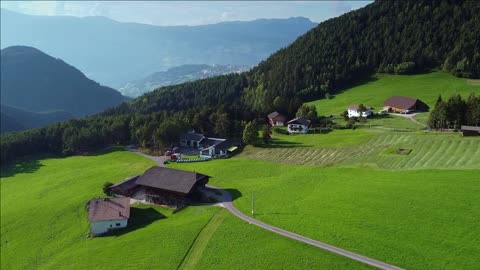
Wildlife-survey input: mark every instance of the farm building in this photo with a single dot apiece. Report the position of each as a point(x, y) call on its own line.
point(191, 139)
point(164, 186)
point(276, 119)
point(298, 125)
point(354, 111)
point(399, 104)
point(107, 214)
point(470, 131)
point(222, 148)
point(127, 187)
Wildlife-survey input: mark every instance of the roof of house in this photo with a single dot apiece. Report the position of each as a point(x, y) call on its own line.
point(275, 114)
point(225, 145)
point(355, 107)
point(401, 102)
point(191, 136)
point(170, 179)
point(127, 184)
point(109, 209)
point(471, 128)
point(211, 141)
point(300, 121)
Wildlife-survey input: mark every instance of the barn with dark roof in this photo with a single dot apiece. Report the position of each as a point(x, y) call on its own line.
point(399, 104)
point(165, 186)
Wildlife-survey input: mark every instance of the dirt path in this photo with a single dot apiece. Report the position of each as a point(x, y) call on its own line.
point(201, 241)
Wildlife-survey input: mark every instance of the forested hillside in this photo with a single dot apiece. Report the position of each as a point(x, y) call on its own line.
point(14, 119)
point(386, 36)
point(177, 75)
point(394, 37)
point(36, 82)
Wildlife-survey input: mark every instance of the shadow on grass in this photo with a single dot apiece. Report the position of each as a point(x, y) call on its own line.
point(235, 193)
point(277, 143)
point(27, 166)
point(139, 218)
point(359, 82)
point(105, 151)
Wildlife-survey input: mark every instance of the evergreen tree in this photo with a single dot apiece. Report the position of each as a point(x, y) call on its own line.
point(250, 133)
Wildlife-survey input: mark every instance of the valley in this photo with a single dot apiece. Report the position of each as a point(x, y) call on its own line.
point(256, 142)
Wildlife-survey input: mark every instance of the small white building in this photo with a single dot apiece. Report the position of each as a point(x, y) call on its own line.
point(298, 125)
point(107, 214)
point(353, 111)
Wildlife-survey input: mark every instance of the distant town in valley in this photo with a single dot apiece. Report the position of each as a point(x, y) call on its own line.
point(245, 135)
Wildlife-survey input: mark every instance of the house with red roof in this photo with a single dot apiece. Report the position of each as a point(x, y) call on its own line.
point(399, 104)
point(107, 214)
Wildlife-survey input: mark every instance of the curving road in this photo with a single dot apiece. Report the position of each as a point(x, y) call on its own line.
point(411, 117)
point(226, 201)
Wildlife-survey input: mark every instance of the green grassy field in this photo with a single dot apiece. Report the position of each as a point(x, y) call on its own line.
point(423, 219)
point(335, 138)
point(429, 151)
point(406, 198)
point(425, 87)
point(44, 225)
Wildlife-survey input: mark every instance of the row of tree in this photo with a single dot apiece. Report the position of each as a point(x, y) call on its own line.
point(454, 112)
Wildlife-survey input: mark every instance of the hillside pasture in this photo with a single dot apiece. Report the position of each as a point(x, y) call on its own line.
point(44, 225)
point(429, 151)
point(425, 87)
point(416, 219)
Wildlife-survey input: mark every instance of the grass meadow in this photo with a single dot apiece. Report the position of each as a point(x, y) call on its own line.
point(416, 219)
point(407, 198)
point(425, 87)
point(44, 225)
point(429, 150)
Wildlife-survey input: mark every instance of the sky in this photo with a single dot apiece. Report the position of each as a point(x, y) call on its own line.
point(187, 12)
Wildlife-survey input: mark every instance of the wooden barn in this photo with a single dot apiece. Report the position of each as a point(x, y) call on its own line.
point(159, 185)
point(399, 104)
point(276, 119)
point(470, 131)
point(127, 187)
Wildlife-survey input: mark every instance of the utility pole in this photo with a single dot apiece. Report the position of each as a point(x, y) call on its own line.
point(253, 204)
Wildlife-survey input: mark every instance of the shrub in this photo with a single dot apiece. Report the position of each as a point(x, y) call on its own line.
point(106, 188)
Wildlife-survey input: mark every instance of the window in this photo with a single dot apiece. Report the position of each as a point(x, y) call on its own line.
point(118, 224)
point(110, 225)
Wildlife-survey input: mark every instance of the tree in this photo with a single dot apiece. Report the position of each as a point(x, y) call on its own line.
point(266, 134)
point(250, 133)
point(106, 188)
point(472, 114)
point(278, 103)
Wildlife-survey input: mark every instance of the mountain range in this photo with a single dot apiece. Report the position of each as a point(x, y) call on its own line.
point(114, 53)
point(177, 75)
point(37, 89)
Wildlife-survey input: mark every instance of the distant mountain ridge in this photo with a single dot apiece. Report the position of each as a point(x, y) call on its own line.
point(114, 53)
point(14, 119)
point(34, 82)
point(176, 75)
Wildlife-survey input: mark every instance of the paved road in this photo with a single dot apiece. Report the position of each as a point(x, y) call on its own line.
point(158, 159)
point(411, 117)
point(225, 200)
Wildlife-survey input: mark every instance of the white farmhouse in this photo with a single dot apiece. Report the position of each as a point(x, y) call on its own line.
point(353, 111)
point(106, 214)
point(298, 125)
